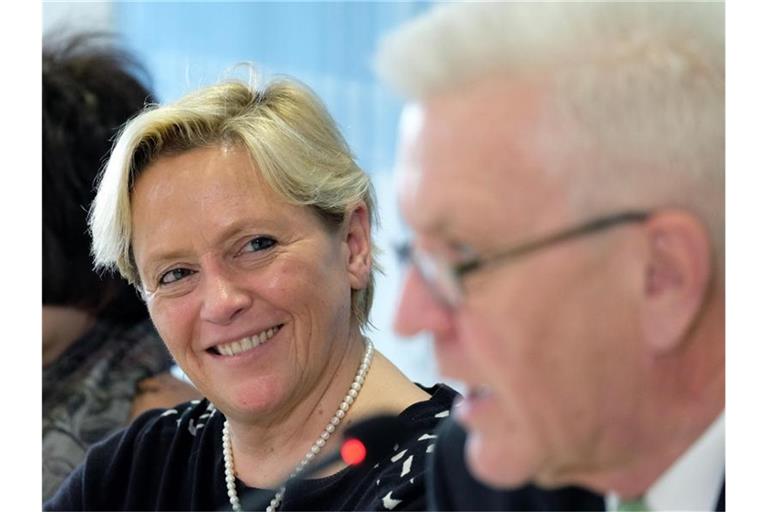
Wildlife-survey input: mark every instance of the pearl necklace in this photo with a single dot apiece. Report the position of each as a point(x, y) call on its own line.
point(229, 463)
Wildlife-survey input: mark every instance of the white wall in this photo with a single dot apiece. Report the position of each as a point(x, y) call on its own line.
point(414, 357)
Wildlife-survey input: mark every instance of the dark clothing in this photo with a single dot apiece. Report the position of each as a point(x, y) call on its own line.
point(172, 460)
point(88, 392)
point(451, 487)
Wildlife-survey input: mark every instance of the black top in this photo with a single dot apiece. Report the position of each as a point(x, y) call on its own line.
point(451, 487)
point(172, 460)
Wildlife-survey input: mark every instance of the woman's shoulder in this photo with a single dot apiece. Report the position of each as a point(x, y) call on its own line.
point(184, 420)
point(165, 439)
point(131, 465)
point(399, 481)
point(432, 411)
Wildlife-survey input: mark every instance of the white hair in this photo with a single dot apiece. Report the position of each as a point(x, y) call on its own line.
point(638, 88)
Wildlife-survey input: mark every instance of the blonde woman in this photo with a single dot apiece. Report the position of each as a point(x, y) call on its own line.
point(244, 221)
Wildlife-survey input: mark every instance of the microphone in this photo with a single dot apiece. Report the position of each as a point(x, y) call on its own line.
point(363, 444)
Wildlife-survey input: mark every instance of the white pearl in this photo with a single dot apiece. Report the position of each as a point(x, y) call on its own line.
point(335, 420)
point(353, 393)
point(340, 413)
point(356, 387)
point(325, 435)
point(349, 399)
point(320, 443)
point(344, 406)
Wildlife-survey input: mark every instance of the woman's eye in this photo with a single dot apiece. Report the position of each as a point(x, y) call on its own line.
point(259, 244)
point(174, 275)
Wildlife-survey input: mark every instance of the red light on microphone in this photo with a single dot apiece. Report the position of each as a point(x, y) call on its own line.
point(353, 451)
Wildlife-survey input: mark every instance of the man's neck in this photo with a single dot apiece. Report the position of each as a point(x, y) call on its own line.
point(694, 481)
point(684, 395)
point(634, 476)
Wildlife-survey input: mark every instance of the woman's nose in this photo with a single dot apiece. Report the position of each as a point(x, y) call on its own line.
point(224, 298)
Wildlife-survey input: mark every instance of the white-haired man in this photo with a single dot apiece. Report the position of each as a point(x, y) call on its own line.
point(561, 166)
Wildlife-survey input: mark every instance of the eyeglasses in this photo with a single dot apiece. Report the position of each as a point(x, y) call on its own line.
point(445, 279)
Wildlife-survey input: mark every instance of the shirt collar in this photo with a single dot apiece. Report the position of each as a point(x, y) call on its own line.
point(692, 482)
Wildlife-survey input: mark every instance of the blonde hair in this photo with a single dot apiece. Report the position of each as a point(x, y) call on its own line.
point(288, 133)
point(638, 89)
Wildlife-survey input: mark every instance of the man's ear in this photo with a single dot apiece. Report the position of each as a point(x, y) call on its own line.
point(357, 232)
point(677, 277)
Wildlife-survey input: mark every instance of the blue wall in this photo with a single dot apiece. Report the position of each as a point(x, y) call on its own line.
point(328, 45)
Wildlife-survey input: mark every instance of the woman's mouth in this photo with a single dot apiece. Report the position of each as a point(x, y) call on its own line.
point(236, 347)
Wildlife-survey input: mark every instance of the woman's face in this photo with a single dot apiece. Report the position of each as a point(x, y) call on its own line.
point(251, 294)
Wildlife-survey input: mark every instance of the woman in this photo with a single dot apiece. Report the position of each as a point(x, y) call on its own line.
point(242, 218)
point(103, 361)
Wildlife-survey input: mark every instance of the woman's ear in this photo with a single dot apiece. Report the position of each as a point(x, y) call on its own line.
point(357, 233)
point(677, 277)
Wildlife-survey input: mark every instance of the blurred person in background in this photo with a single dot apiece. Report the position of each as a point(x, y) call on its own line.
point(98, 342)
point(562, 168)
point(243, 218)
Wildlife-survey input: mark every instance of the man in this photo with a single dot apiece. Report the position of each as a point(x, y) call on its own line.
point(562, 169)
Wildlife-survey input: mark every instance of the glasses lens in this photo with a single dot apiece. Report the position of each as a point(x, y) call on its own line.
point(439, 277)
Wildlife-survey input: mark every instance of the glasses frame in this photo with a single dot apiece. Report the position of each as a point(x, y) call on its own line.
point(446, 280)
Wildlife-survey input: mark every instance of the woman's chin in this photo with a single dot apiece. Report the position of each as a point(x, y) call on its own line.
point(246, 403)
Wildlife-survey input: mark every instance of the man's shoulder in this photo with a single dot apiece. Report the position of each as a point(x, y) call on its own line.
point(450, 485)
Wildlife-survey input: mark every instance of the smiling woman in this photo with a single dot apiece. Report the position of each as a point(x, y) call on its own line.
point(244, 221)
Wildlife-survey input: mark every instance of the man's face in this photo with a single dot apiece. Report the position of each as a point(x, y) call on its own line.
point(539, 341)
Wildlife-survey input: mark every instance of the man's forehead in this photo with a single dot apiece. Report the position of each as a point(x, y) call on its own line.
point(466, 164)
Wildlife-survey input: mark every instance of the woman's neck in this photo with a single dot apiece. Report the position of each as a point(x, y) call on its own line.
point(265, 457)
point(265, 454)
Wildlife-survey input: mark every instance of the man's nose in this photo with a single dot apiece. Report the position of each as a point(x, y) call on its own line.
point(419, 310)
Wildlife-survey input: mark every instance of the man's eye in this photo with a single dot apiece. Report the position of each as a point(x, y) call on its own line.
point(259, 244)
point(174, 275)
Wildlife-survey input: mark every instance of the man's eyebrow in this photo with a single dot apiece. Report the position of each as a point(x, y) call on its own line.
point(436, 227)
point(440, 230)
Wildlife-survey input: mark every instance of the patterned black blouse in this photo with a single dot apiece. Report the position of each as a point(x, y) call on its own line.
point(172, 460)
point(88, 392)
